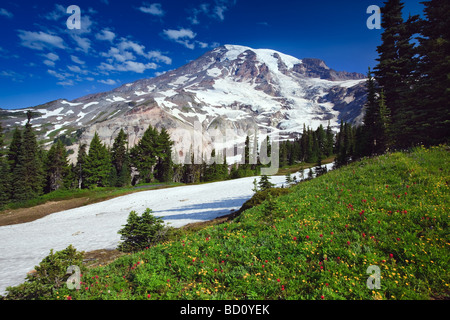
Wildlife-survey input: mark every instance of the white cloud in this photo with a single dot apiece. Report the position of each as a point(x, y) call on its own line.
point(76, 60)
point(66, 83)
point(159, 57)
point(153, 9)
point(118, 55)
point(58, 13)
point(40, 40)
point(77, 69)
point(6, 13)
point(222, 6)
point(108, 82)
point(51, 56)
point(59, 76)
point(137, 48)
point(105, 35)
point(181, 36)
point(16, 77)
point(84, 44)
point(215, 10)
point(133, 66)
point(49, 63)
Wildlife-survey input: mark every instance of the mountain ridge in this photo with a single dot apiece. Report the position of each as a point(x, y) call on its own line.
point(230, 87)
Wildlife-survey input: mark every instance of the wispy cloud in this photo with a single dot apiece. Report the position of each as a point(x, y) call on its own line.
point(58, 75)
point(109, 82)
point(84, 44)
point(51, 56)
point(181, 36)
point(76, 59)
point(77, 69)
point(132, 66)
point(14, 76)
point(6, 13)
point(49, 63)
point(126, 54)
point(159, 57)
point(215, 10)
point(40, 40)
point(105, 35)
point(153, 9)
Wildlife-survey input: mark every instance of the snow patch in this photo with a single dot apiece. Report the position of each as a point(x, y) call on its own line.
point(89, 104)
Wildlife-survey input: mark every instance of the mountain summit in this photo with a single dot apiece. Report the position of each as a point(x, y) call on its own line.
point(231, 87)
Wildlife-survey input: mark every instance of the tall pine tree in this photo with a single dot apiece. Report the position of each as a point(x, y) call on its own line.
point(28, 177)
point(120, 160)
point(432, 119)
point(5, 174)
point(57, 166)
point(144, 154)
point(164, 166)
point(98, 164)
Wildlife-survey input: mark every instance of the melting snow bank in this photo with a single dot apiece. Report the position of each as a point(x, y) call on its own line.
point(95, 226)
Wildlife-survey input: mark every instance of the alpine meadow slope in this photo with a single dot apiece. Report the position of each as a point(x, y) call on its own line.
point(318, 242)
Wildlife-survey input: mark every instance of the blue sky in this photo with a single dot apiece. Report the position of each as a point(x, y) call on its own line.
point(42, 60)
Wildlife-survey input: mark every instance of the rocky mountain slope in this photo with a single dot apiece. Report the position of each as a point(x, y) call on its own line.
point(232, 88)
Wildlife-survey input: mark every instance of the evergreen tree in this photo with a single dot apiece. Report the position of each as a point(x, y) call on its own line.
point(345, 145)
point(144, 155)
point(383, 127)
point(386, 71)
point(5, 175)
point(369, 133)
point(395, 72)
point(28, 176)
point(57, 167)
point(212, 169)
point(164, 166)
point(98, 164)
point(432, 119)
point(329, 144)
point(264, 183)
point(120, 160)
point(14, 149)
point(79, 169)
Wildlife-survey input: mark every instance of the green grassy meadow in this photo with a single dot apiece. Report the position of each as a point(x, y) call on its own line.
point(316, 242)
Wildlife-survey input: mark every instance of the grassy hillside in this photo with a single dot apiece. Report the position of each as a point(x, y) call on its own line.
point(315, 242)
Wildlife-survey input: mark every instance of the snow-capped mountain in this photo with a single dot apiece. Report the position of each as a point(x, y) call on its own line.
point(229, 88)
